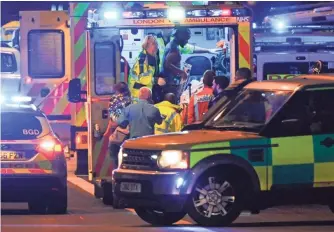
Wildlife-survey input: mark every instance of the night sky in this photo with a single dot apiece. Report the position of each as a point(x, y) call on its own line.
point(9, 10)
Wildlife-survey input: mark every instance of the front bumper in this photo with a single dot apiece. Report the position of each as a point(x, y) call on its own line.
point(23, 188)
point(159, 190)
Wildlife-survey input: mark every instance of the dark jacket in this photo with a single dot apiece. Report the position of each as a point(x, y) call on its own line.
point(141, 117)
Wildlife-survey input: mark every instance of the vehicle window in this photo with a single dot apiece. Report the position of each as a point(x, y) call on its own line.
point(274, 71)
point(322, 117)
point(105, 68)
point(8, 62)
point(19, 126)
point(46, 56)
point(327, 67)
point(252, 108)
point(309, 112)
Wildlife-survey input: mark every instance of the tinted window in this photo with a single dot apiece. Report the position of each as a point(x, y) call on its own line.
point(105, 73)
point(19, 126)
point(46, 54)
point(8, 62)
point(311, 112)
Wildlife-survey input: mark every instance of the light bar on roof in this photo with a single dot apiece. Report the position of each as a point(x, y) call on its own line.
point(155, 14)
point(196, 13)
point(176, 13)
point(133, 14)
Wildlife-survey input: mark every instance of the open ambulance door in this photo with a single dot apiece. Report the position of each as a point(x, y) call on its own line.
point(104, 61)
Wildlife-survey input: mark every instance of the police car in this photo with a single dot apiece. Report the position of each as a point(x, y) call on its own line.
point(33, 165)
point(272, 145)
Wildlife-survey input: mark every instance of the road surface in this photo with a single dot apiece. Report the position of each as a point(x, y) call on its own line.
point(87, 214)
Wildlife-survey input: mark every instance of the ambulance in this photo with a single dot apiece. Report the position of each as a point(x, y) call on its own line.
point(99, 47)
point(292, 39)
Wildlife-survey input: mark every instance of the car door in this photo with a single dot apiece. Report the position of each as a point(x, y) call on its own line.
point(104, 73)
point(323, 136)
point(293, 152)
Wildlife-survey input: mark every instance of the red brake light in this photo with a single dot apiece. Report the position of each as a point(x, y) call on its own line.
point(50, 146)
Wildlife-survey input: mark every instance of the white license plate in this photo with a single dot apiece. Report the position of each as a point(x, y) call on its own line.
point(11, 155)
point(130, 187)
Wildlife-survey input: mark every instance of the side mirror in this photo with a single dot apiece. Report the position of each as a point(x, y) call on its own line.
point(74, 91)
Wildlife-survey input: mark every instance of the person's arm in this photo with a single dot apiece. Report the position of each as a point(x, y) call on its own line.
point(190, 49)
point(123, 120)
point(158, 117)
point(191, 111)
point(169, 65)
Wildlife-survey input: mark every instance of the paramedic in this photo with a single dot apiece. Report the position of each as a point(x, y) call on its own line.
point(144, 70)
point(199, 102)
point(171, 113)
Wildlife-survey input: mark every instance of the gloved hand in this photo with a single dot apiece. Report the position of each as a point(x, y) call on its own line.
point(215, 50)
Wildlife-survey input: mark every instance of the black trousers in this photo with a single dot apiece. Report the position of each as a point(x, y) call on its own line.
point(114, 149)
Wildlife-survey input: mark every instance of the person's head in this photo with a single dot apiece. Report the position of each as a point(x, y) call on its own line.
point(208, 78)
point(182, 35)
point(145, 94)
point(219, 84)
point(150, 45)
point(122, 88)
point(243, 74)
point(170, 97)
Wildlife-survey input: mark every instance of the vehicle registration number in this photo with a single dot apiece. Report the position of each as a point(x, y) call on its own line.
point(130, 187)
point(11, 155)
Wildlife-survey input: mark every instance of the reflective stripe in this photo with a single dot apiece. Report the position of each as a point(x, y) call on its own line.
point(169, 121)
point(162, 130)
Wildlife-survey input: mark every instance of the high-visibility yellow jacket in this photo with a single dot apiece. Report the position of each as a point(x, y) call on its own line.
point(142, 74)
point(172, 119)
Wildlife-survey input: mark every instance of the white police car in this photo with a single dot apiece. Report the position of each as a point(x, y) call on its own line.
point(33, 165)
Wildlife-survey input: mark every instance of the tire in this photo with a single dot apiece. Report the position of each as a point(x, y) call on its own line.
point(216, 199)
point(107, 198)
point(58, 203)
point(158, 218)
point(36, 207)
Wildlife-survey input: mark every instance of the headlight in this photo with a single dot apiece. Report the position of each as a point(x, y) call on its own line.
point(173, 159)
point(120, 157)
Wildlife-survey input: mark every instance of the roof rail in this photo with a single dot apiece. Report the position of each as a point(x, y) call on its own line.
point(288, 9)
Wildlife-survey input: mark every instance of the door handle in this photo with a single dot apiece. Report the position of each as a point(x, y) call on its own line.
point(327, 142)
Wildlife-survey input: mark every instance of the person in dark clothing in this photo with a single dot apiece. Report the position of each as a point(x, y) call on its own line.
point(141, 117)
point(219, 84)
point(158, 91)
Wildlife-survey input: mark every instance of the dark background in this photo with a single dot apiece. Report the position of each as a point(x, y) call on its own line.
point(9, 10)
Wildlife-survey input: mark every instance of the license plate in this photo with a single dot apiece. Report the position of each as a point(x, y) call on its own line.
point(130, 187)
point(11, 155)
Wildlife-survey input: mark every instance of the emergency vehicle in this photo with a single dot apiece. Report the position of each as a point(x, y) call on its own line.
point(10, 71)
point(244, 158)
point(292, 39)
point(7, 31)
point(98, 49)
point(33, 165)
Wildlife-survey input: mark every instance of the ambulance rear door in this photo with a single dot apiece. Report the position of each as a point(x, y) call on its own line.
point(104, 72)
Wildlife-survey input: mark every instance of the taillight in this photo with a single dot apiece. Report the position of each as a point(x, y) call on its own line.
point(49, 146)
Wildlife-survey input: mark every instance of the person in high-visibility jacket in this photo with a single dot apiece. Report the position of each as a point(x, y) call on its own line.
point(144, 70)
point(171, 113)
point(199, 102)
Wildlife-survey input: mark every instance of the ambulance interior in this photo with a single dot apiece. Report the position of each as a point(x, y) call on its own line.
point(204, 37)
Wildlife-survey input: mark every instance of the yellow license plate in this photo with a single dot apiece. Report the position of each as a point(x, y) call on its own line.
point(11, 155)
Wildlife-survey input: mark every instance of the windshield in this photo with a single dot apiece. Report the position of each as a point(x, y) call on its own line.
point(251, 109)
point(19, 126)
